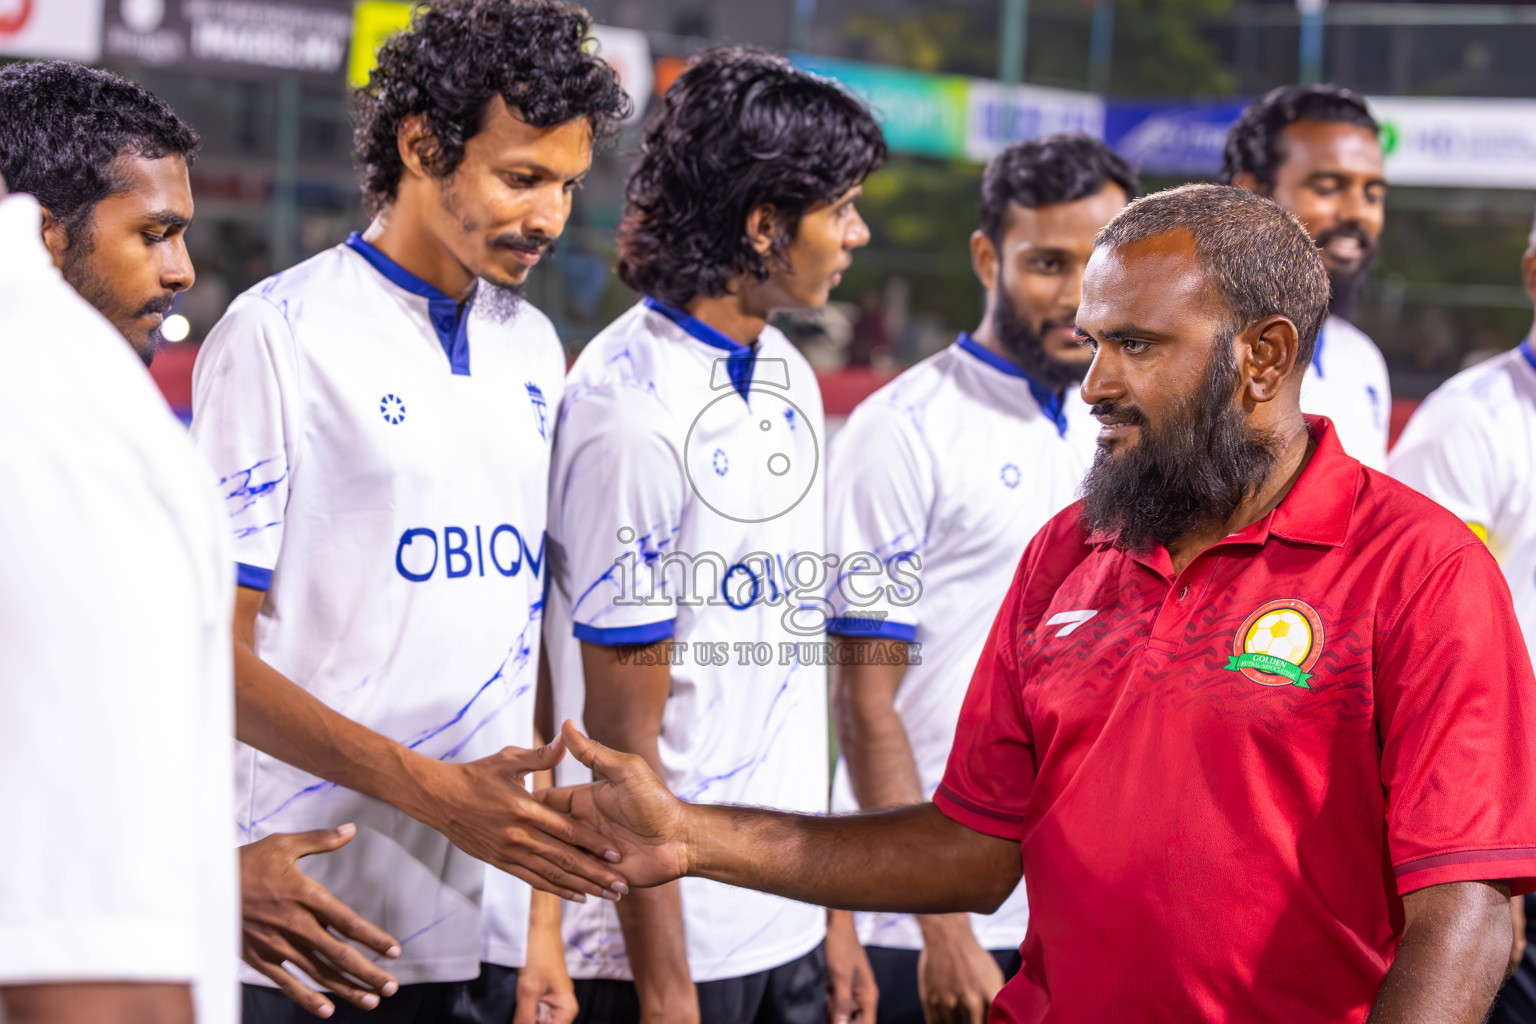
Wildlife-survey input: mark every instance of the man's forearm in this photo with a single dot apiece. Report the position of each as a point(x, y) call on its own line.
point(1452, 957)
point(878, 754)
point(911, 859)
point(281, 719)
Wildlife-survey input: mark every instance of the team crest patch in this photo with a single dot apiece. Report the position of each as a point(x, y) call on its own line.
point(1278, 644)
point(540, 408)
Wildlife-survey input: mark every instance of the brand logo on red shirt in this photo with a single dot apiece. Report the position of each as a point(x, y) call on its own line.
point(1278, 644)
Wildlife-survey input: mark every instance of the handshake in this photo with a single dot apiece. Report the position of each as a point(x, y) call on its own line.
point(624, 828)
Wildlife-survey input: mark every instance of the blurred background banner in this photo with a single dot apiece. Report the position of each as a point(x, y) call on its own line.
point(51, 28)
point(264, 38)
point(1485, 142)
point(953, 81)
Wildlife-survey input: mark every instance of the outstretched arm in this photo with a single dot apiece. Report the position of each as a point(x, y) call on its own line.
point(910, 859)
point(481, 806)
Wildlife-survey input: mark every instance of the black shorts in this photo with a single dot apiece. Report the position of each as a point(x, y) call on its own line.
point(488, 999)
point(795, 993)
point(896, 975)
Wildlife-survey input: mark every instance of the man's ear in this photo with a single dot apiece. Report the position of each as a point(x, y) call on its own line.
point(761, 228)
point(1272, 347)
point(984, 259)
point(55, 238)
point(417, 145)
point(1528, 272)
point(1247, 180)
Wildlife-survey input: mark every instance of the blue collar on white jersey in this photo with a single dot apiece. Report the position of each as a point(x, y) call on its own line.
point(740, 359)
point(451, 325)
point(1317, 348)
point(1049, 401)
point(1528, 350)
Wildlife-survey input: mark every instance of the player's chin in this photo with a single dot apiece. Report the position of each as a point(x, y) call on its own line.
point(505, 273)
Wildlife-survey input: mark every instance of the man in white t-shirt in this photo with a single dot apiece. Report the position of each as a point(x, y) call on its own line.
point(1471, 446)
point(687, 523)
point(379, 418)
point(947, 472)
point(1314, 150)
point(117, 883)
point(107, 162)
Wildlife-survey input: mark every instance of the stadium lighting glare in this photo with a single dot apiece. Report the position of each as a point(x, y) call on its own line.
point(176, 328)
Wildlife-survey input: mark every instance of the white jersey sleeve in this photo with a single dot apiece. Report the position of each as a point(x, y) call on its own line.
point(880, 493)
point(1448, 453)
point(244, 415)
point(619, 493)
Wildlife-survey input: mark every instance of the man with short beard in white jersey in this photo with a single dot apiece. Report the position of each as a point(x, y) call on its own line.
point(380, 418)
point(1471, 446)
point(1314, 150)
point(948, 471)
point(686, 492)
point(117, 883)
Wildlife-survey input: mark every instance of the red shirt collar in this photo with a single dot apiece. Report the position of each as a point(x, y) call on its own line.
point(1316, 511)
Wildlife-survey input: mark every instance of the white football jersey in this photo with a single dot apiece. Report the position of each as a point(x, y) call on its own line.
point(384, 464)
point(1471, 446)
point(115, 687)
point(1347, 382)
point(941, 478)
point(687, 480)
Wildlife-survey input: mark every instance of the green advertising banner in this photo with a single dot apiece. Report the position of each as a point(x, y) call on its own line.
point(919, 113)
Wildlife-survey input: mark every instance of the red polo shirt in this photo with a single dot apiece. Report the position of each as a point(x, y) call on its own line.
point(1222, 780)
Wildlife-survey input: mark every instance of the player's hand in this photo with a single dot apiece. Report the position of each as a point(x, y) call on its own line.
point(485, 809)
point(956, 979)
point(852, 996)
point(629, 804)
point(286, 915)
point(545, 994)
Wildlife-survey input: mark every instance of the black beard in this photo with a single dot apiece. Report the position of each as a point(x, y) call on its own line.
point(1345, 289)
point(1191, 472)
point(497, 302)
point(1024, 347)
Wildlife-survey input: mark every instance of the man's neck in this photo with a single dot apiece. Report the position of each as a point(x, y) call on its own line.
point(732, 314)
point(1296, 450)
point(408, 242)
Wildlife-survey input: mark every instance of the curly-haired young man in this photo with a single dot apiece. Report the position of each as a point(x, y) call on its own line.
point(380, 416)
point(688, 452)
point(107, 161)
point(1314, 150)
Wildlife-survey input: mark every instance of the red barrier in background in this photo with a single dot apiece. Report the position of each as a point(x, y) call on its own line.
point(841, 390)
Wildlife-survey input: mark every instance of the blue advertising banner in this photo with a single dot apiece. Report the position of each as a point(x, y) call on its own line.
point(1171, 138)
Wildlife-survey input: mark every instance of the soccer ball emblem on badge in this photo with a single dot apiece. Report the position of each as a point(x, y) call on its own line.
point(764, 471)
point(1278, 644)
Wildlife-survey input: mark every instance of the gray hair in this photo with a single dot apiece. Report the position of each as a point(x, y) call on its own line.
point(1258, 259)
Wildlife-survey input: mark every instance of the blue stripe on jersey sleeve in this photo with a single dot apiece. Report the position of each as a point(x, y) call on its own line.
point(253, 576)
point(884, 629)
point(648, 633)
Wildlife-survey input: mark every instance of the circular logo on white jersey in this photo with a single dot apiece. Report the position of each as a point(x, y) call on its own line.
point(755, 474)
point(392, 408)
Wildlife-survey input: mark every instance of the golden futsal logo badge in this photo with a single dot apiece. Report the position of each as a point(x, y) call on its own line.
point(1278, 644)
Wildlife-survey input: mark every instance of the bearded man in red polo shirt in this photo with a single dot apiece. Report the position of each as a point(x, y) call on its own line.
point(1253, 720)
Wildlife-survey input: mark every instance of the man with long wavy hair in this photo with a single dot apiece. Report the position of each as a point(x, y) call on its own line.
point(686, 492)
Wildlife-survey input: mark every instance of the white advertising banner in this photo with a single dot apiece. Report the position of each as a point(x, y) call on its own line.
point(629, 52)
point(999, 115)
point(51, 28)
point(1470, 143)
